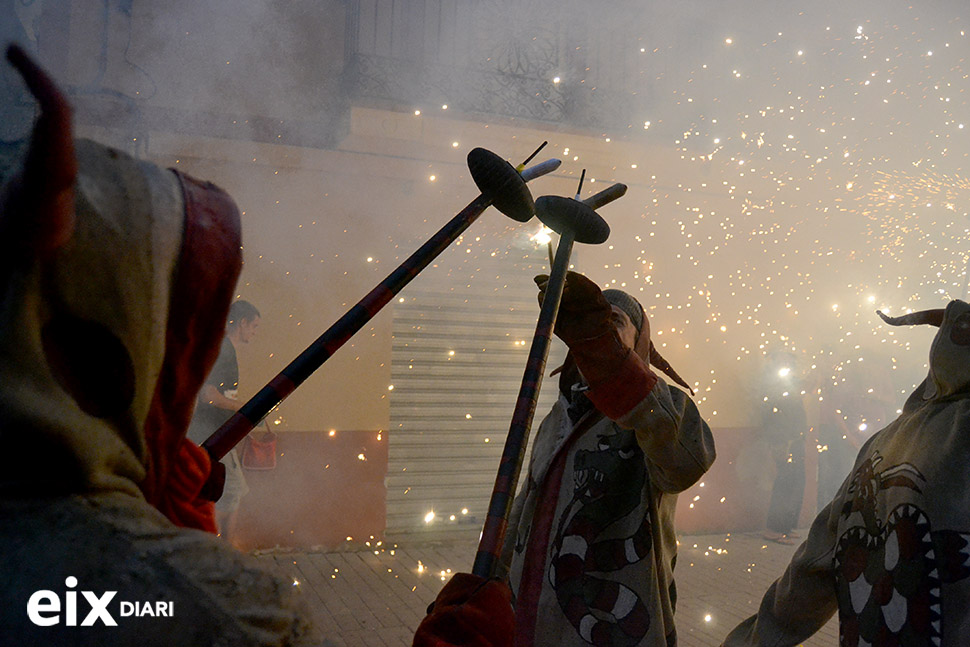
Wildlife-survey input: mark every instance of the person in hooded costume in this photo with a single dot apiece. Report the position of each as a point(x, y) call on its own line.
point(891, 552)
point(590, 547)
point(115, 280)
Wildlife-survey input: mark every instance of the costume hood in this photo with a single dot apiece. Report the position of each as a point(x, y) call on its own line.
point(949, 372)
point(116, 281)
point(643, 347)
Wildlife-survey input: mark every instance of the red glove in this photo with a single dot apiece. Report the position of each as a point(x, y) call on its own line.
point(584, 312)
point(618, 378)
point(470, 611)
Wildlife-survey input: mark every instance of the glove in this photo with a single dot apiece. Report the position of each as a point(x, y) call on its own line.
point(584, 312)
point(470, 611)
point(618, 378)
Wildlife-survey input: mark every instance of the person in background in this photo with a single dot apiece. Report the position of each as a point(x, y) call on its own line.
point(784, 423)
point(854, 403)
point(218, 401)
point(591, 544)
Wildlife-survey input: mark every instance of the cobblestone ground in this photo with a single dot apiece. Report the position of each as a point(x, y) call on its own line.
point(377, 597)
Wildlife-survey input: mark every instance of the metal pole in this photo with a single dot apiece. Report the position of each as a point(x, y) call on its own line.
point(506, 480)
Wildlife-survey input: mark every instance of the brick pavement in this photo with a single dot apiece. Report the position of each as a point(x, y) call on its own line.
point(376, 597)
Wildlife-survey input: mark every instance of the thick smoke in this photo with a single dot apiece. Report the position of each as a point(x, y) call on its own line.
point(791, 169)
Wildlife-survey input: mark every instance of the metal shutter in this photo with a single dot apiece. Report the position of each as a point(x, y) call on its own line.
point(457, 361)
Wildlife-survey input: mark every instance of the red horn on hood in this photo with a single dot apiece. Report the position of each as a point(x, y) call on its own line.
point(933, 317)
point(39, 206)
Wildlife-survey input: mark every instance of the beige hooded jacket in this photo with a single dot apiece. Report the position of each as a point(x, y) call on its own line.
point(891, 552)
point(115, 279)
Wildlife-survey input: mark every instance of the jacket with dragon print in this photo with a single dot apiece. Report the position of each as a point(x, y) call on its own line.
point(591, 541)
point(891, 552)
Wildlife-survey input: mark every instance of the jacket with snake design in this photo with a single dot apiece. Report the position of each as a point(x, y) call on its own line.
point(891, 552)
point(591, 543)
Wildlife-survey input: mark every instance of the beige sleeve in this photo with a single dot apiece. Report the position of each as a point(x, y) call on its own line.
point(678, 444)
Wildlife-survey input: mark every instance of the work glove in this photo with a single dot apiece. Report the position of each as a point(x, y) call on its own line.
point(584, 312)
point(470, 611)
point(617, 377)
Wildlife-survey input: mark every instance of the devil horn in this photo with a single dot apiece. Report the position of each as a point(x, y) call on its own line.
point(933, 317)
point(41, 204)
